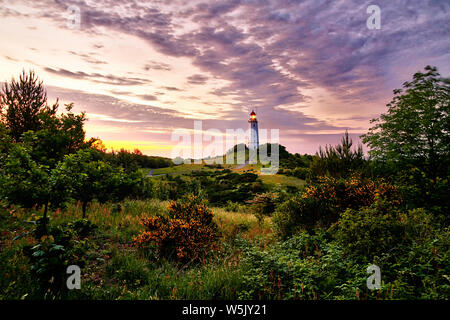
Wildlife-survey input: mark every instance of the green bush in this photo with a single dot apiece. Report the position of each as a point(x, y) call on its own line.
point(411, 250)
point(51, 256)
point(416, 189)
point(380, 229)
point(302, 267)
point(233, 206)
point(369, 231)
point(263, 205)
point(299, 172)
point(300, 213)
point(309, 266)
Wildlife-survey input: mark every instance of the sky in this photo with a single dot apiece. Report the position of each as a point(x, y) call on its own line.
point(143, 69)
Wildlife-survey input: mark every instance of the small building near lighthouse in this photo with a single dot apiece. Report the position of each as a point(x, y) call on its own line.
point(254, 136)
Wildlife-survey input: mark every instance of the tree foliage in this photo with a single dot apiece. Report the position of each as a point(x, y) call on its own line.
point(338, 161)
point(415, 129)
point(21, 103)
point(87, 180)
point(28, 183)
point(59, 136)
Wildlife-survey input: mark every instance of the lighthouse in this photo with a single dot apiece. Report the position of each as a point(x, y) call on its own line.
point(254, 137)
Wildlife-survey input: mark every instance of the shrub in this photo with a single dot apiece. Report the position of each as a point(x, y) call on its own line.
point(187, 234)
point(51, 256)
point(300, 213)
point(299, 172)
point(322, 203)
point(233, 206)
point(416, 188)
point(380, 229)
point(302, 267)
point(414, 264)
point(369, 231)
point(263, 205)
point(411, 251)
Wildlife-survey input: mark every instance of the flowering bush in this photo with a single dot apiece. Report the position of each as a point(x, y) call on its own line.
point(322, 203)
point(353, 192)
point(187, 234)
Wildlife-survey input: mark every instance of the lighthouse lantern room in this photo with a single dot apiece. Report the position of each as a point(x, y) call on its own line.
point(254, 137)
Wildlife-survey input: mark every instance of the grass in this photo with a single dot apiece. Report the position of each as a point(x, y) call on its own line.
point(246, 224)
point(252, 168)
point(188, 168)
point(278, 179)
point(115, 269)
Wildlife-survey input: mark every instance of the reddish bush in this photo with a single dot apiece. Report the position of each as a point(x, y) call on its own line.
point(188, 233)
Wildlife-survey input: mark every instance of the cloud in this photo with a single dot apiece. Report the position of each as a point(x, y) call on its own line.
point(306, 65)
point(153, 65)
point(197, 79)
point(88, 57)
point(148, 97)
point(96, 77)
point(268, 51)
point(140, 118)
point(11, 59)
point(172, 89)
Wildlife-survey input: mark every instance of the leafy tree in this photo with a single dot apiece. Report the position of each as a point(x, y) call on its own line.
point(87, 180)
point(21, 103)
point(127, 160)
point(25, 182)
point(58, 136)
point(415, 130)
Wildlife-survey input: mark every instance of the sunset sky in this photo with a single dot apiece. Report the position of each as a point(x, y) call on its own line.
point(141, 69)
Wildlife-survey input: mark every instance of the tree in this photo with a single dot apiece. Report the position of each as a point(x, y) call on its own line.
point(340, 160)
point(87, 180)
point(58, 136)
point(21, 102)
point(25, 182)
point(415, 130)
point(127, 160)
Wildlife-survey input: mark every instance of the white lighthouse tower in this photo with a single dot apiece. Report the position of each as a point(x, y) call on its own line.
point(254, 136)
